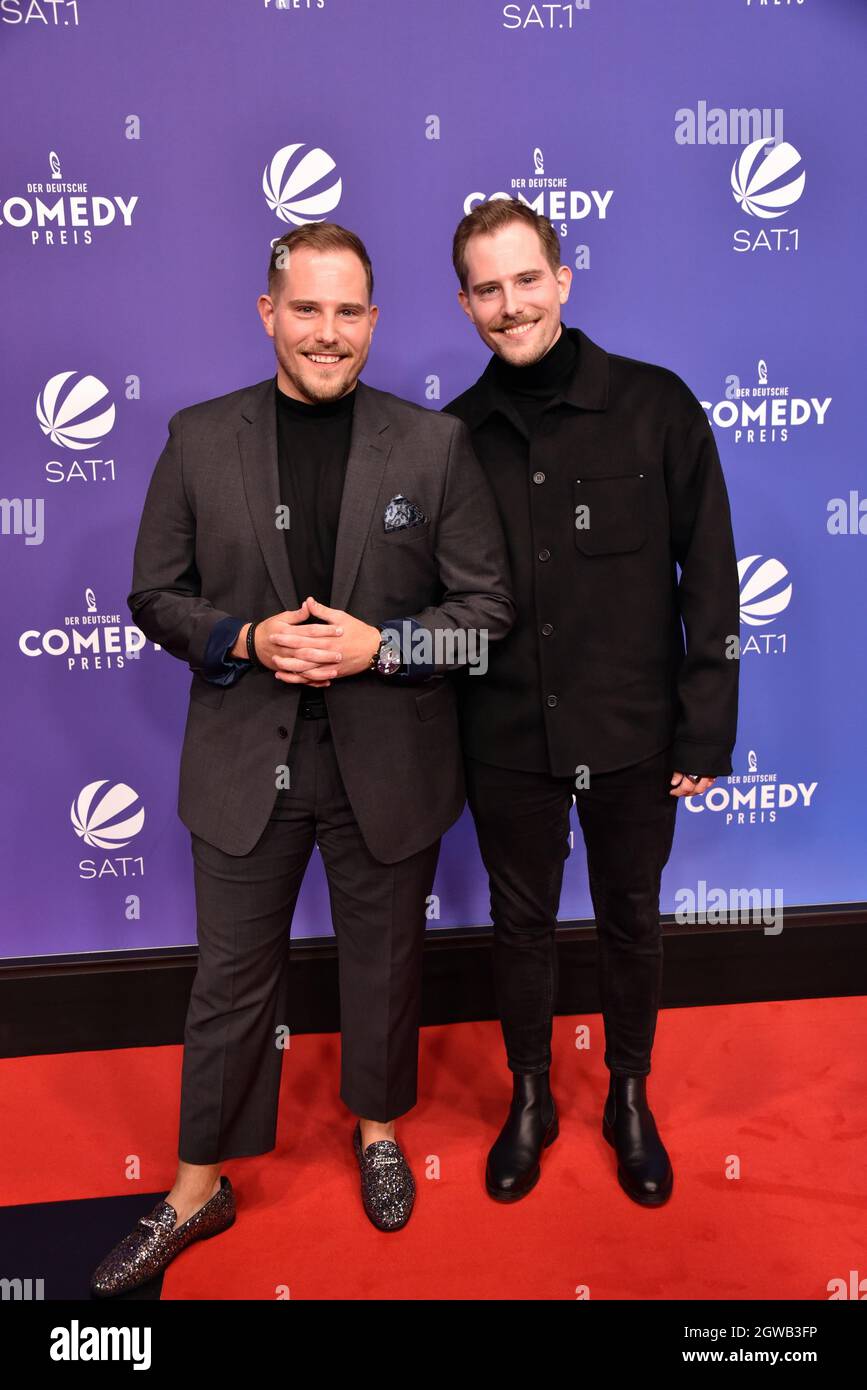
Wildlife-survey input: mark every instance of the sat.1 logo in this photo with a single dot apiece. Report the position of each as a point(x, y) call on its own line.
point(75, 411)
point(108, 815)
point(301, 187)
point(767, 179)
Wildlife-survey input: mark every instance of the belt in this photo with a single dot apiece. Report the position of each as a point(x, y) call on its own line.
point(312, 707)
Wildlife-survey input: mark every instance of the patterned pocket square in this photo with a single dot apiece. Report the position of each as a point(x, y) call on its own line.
point(400, 512)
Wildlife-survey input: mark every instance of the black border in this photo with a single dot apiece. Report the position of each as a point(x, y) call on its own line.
point(139, 998)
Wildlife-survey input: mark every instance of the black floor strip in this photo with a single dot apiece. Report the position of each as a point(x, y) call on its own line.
point(49, 1250)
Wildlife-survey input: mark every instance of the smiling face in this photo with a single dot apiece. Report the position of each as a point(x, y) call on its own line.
point(513, 296)
point(321, 321)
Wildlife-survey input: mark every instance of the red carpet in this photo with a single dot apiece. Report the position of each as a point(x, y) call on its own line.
point(781, 1086)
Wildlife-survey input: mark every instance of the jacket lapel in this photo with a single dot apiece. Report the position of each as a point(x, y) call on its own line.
point(368, 454)
point(257, 441)
point(365, 465)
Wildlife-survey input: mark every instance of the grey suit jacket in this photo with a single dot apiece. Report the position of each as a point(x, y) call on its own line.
point(209, 548)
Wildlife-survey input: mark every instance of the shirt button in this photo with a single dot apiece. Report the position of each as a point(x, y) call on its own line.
point(551, 701)
point(538, 477)
point(544, 554)
point(282, 731)
point(547, 629)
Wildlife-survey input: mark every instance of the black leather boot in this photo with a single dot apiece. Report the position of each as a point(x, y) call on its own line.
point(643, 1166)
point(531, 1125)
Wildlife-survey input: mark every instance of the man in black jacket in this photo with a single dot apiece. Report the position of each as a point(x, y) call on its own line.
point(607, 477)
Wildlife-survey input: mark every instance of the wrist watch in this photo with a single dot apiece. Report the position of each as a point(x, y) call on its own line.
point(387, 659)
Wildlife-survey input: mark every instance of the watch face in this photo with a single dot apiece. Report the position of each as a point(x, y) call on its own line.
point(389, 659)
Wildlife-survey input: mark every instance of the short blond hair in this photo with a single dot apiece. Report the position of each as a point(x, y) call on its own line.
point(321, 236)
point(489, 217)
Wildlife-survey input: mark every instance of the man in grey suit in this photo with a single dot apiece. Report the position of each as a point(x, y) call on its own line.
point(331, 720)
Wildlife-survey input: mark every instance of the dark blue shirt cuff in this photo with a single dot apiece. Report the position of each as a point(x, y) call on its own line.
point(219, 667)
point(412, 672)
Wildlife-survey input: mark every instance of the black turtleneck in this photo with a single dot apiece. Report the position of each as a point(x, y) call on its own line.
point(531, 388)
point(312, 449)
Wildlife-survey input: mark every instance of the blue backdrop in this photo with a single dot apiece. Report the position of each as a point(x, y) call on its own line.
point(703, 165)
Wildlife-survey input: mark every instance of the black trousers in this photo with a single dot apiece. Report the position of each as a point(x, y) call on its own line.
point(236, 1023)
point(627, 819)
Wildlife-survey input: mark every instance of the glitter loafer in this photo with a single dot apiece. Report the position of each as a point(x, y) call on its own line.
point(387, 1184)
point(155, 1241)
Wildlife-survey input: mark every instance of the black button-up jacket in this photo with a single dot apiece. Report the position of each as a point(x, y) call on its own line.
point(619, 485)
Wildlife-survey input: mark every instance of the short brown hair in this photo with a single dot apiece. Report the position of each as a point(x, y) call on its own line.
point(489, 217)
point(321, 236)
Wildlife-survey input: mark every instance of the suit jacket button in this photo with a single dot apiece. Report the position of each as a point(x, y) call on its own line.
point(547, 629)
point(551, 701)
point(538, 477)
point(282, 731)
point(544, 554)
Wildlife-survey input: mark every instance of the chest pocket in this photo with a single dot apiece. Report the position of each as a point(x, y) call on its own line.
point(610, 513)
point(404, 534)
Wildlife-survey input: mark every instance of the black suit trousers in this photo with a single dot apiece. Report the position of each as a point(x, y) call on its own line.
point(627, 819)
point(236, 1024)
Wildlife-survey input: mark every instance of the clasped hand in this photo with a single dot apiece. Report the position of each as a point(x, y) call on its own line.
point(301, 653)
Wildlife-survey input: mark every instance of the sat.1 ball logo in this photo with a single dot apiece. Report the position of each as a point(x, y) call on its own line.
point(75, 410)
point(301, 187)
point(767, 179)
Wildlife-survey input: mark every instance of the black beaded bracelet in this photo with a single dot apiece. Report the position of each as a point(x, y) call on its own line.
point(251, 648)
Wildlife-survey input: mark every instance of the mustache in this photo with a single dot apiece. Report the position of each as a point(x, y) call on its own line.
point(335, 351)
